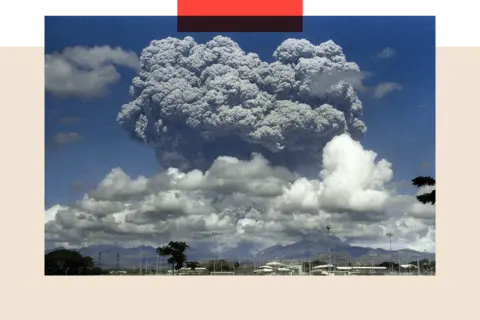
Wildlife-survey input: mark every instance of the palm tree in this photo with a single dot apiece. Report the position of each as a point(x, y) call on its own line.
point(422, 182)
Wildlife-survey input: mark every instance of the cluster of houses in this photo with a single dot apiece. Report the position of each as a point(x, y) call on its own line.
point(282, 269)
point(278, 268)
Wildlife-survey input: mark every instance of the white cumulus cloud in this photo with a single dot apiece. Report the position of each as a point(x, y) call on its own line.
point(86, 72)
point(248, 200)
point(386, 53)
point(384, 88)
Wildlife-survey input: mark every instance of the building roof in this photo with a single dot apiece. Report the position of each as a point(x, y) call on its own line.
point(274, 263)
point(344, 268)
point(318, 268)
point(323, 266)
point(262, 270)
point(283, 269)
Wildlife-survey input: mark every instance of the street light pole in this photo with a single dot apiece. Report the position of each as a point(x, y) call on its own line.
point(329, 244)
point(333, 246)
point(215, 253)
point(141, 254)
point(390, 235)
point(146, 266)
point(146, 258)
point(418, 263)
point(426, 260)
point(373, 254)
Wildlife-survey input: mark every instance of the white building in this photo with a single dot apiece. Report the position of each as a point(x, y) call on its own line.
point(331, 270)
point(274, 268)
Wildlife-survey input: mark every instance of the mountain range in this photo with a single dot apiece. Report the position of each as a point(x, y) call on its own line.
point(307, 249)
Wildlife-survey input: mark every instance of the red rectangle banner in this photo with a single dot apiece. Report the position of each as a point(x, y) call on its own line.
point(240, 8)
point(384, 4)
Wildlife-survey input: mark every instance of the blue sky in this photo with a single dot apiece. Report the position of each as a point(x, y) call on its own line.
point(401, 125)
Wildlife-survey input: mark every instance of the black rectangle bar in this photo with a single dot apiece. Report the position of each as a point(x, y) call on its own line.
point(239, 24)
point(459, 24)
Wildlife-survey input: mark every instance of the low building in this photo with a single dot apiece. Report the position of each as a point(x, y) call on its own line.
point(331, 270)
point(117, 272)
point(189, 272)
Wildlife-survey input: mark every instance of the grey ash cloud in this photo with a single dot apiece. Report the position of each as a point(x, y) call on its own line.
point(194, 102)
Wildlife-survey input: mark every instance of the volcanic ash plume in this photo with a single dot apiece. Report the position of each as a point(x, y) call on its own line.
point(194, 102)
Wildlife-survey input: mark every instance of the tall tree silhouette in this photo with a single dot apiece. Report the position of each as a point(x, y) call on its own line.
point(69, 263)
point(422, 182)
point(192, 265)
point(175, 251)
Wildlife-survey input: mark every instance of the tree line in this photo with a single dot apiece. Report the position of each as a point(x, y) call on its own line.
point(71, 262)
point(65, 262)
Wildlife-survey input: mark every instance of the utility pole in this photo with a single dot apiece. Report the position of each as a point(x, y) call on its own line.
point(390, 235)
point(418, 263)
point(118, 261)
point(373, 254)
point(329, 227)
point(215, 253)
point(141, 253)
point(221, 262)
point(146, 260)
point(333, 245)
point(426, 262)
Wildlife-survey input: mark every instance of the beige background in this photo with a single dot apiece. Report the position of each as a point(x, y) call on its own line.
point(27, 294)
